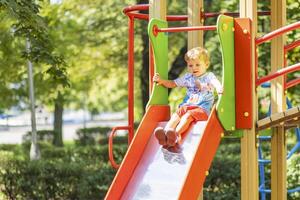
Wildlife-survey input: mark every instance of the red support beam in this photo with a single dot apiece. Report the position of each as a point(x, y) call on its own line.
point(280, 72)
point(130, 78)
point(292, 83)
point(243, 73)
point(183, 29)
point(277, 32)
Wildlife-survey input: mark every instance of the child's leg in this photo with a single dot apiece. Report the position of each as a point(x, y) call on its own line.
point(174, 136)
point(171, 125)
point(173, 122)
point(170, 129)
point(184, 124)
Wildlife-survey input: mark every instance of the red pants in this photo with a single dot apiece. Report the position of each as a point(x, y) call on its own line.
point(195, 111)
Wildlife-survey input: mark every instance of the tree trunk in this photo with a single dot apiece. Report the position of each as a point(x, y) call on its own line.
point(58, 120)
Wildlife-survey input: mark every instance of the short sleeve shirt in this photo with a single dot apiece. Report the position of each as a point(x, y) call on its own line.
point(203, 98)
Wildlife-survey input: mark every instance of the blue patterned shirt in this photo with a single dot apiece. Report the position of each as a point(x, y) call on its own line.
point(203, 98)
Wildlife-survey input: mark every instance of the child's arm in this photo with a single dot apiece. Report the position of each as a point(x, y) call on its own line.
point(216, 83)
point(165, 83)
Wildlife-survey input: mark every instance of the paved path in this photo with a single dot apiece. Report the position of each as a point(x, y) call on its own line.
point(14, 134)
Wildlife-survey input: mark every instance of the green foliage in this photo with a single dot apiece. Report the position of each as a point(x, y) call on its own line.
point(293, 174)
point(223, 181)
point(83, 172)
point(90, 136)
point(64, 173)
point(42, 135)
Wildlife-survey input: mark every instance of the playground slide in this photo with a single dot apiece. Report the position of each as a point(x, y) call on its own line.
point(149, 171)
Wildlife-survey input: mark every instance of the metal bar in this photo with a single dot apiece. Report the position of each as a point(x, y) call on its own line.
point(292, 83)
point(277, 32)
point(183, 29)
point(130, 78)
point(110, 144)
point(232, 14)
point(131, 12)
point(292, 45)
point(280, 72)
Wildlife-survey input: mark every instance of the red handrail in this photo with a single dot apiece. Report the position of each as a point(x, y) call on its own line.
point(292, 45)
point(232, 14)
point(110, 145)
point(131, 11)
point(287, 48)
point(292, 83)
point(280, 72)
point(181, 29)
point(277, 32)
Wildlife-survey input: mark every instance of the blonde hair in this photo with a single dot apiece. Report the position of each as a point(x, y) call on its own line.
point(197, 53)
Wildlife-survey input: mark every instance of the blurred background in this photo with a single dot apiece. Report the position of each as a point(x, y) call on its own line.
point(78, 53)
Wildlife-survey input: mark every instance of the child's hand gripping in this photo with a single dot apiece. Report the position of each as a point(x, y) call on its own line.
point(156, 79)
point(203, 86)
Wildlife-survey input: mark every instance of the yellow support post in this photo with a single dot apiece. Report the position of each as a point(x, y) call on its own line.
point(158, 9)
point(278, 143)
point(249, 153)
point(195, 38)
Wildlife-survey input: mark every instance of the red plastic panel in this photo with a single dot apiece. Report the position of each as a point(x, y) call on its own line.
point(203, 158)
point(243, 73)
point(153, 116)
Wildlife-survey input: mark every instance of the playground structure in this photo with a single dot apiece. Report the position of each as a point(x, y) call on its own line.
point(240, 81)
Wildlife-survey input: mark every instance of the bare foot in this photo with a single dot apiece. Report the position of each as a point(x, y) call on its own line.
point(171, 137)
point(175, 149)
point(160, 136)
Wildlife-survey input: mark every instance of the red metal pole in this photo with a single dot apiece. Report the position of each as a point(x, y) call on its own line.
point(287, 48)
point(292, 83)
point(130, 79)
point(232, 14)
point(182, 29)
point(131, 11)
point(280, 72)
point(292, 45)
point(277, 32)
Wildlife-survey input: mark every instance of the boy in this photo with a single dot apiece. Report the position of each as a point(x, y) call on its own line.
point(198, 100)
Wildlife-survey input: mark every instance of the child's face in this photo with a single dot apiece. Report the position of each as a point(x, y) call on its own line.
point(196, 67)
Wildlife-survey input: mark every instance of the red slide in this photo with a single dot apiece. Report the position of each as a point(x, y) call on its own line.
point(151, 172)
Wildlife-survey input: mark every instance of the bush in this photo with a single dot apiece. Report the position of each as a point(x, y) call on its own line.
point(54, 180)
point(116, 141)
point(223, 181)
point(89, 136)
point(42, 135)
point(63, 173)
point(293, 175)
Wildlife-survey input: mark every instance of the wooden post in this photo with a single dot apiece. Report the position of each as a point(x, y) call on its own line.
point(278, 143)
point(195, 38)
point(157, 9)
point(249, 153)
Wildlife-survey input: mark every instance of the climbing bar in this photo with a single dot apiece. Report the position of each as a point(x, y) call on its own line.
point(132, 11)
point(290, 117)
point(292, 83)
point(292, 45)
point(277, 32)
point(280, 72)
point(232, 14)
point(183, 29)
point(110, 144)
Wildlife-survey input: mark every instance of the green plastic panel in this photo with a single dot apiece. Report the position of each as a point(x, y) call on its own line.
point(226, 103)
point(159, 43)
